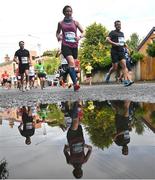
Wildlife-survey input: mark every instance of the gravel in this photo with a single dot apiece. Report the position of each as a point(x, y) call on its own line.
point(139, 92)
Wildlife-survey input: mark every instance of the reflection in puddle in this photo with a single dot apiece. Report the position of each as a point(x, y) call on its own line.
point(82, 133)
point(4, 173)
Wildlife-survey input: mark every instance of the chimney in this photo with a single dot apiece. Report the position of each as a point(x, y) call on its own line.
point(6, 58)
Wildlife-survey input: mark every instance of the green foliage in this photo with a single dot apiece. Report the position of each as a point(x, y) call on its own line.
point(133, 42)
point(48, 53)
point(137, 123)
point(94, 49)
point(136, 56)
point(151, 49)
point(54, 115)
point(51, 64)
point(100, 124)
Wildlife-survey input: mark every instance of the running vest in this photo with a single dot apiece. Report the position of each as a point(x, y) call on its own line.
point(69, 31)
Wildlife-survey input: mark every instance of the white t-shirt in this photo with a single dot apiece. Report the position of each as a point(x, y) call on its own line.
point(31, 71)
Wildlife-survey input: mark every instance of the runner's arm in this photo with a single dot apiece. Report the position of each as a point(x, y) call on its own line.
point(108, 39)
point(58, 35)
point(80, 29)
point(88, 152)
point(66, 149)
point(15, 59)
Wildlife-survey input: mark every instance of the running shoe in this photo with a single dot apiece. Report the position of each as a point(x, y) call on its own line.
point(129, 83)
point(69, 86)
point(76, 87)
point(107, 78)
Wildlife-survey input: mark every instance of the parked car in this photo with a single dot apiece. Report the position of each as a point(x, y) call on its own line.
point(52, 80)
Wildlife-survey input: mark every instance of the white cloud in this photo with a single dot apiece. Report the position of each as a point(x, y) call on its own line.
point(40, 17)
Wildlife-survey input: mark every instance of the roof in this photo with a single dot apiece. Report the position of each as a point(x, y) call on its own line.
point(146, 38)
point(149, 124)
point(6, 63)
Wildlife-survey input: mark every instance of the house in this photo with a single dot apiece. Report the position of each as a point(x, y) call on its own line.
point(146, 67)
point(148, 117)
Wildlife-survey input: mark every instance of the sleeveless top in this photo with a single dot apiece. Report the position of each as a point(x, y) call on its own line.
point(69, 32)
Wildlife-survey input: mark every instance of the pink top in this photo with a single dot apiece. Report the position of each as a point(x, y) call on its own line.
point(69, 32)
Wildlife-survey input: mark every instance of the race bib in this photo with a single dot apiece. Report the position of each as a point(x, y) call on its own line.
point(29, 125)
point(24, 60)
point(126, 135)
point(78, 147)
point(121, 41)
point(70, 37)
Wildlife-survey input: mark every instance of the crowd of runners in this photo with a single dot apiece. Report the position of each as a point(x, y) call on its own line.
point(27, 74)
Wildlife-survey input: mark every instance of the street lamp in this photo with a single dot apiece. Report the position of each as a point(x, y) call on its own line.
point(38, 44)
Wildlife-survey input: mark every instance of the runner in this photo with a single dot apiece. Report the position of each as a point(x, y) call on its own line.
point(116, 39)
point(22, 58)
point(77, 69)
point(119, 76)
point(64, 70)
point(70, 40)
point(18, 79)
point(40, 70)
point(31, 76)
point(5, 77)
point(88, 71)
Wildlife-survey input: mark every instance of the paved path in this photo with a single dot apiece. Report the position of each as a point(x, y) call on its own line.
point(141, 92)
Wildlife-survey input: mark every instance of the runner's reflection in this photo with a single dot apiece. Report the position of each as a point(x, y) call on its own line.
point(122, 123)
point(4, 173)
point(75, 150)
point(27, 126)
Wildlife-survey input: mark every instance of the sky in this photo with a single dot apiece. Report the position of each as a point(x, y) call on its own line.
point(35, 21)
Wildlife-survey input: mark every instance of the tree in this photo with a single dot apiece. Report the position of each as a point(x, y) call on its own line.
point(51, 63)
point(55, 116)
point(100, 124)
point(136, 56)
point(151, 49)
point(133, 42)
point(48, 53)
point(94, 49)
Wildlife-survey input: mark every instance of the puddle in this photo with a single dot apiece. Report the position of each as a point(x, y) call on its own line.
point(84, 139)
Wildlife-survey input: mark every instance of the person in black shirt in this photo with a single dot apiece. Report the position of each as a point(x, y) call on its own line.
point(22, 58)
point(28, 125)
point(116, 39)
